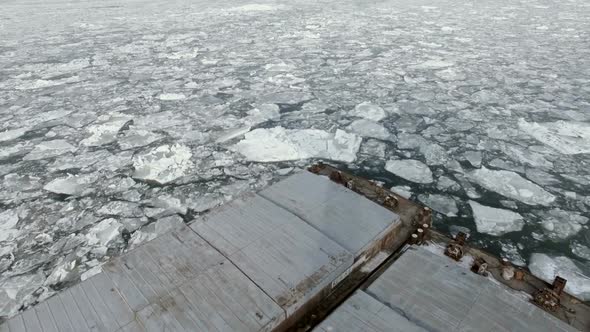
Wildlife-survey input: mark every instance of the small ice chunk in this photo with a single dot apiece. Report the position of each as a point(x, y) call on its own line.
point(473, 157)
point(104, 232)
point(171, 96)
point(9, 135)
point(286, 97)
point(445, 183)
point(565, 137)
point(106, 132)
point(61, 273)
point(280, 144)
point(440, 203)
point(368, 111)
point(512, 254)
point(164, 225)
point(368, 128)
point(232, 133)
point(433, 64)
point(120, 208)
point(138, 138)
point(511, 185)
point(373, 148)
point(547, 268)
point(255, 8)
point(170, 203)
point(262, 113)
point(495, 221)
point(49, 149)
point(163, 164)
point(91, 272)
point(314, 106)
point(403, 191)
point(580, 250)
point(76, 185)
point(409, 169)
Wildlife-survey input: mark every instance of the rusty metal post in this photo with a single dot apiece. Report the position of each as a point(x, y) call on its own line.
point(559, 284)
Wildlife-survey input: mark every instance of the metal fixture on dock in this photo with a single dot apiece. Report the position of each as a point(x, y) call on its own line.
point(455, 247)
point(549, 298)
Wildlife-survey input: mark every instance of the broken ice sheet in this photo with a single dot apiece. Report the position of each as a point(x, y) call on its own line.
point(495, 221)
point(440, 203)
point(73, 185)
point(511, 185)
point(411, 170)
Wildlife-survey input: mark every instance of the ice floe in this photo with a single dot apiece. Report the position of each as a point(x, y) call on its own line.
point(106, 132)
point(74, 185)
point(368, 128)
point(565, 137)
point(440, 203)
point(547, 268)
point(104, 232)
point(8, 221)
point(411, 170)
point(368, 111)
point(404, 191)
point(163, 164)
point(560, 224)
point(171, 96)
point(495, 221)
point(137, 138)
point(280, 144)
point(12, 134)
point(49, 149)
point(511, 185)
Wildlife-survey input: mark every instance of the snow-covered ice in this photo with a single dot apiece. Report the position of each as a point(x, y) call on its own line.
point(411, 170)
point(511, 185)
point(548, 267)
point(495, 221)
point(280, 144)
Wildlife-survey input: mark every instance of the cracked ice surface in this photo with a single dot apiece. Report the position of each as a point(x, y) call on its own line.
point(136, 116)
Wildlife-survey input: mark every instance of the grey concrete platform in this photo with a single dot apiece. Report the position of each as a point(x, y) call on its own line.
point(432, 292)
point(363, 313)
point(350, 219)
point(249, 265)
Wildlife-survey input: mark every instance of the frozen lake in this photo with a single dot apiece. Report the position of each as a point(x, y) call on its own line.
point(120, 120)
